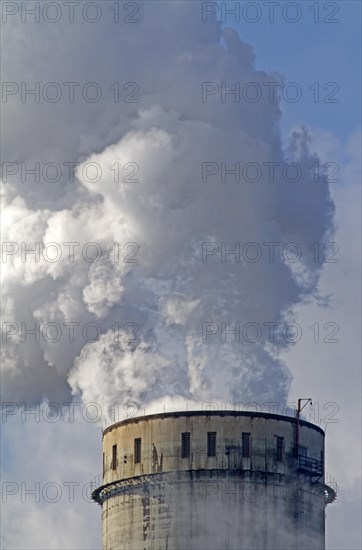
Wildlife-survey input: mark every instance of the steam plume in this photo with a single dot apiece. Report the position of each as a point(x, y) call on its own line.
point(167, 212)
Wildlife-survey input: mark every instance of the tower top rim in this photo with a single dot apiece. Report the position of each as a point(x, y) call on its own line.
point(223, 413)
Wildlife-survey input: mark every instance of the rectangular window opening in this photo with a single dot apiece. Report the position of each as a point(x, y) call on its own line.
point(137, 450)
point(280, 448)
point(114, 457)
point(185, 445)
point(245, 444)
point(211, 443)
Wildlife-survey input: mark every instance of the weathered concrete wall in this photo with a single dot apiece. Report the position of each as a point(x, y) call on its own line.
point(225, 501)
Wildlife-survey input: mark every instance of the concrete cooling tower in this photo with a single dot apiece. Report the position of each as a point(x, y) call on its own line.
point(213, 480)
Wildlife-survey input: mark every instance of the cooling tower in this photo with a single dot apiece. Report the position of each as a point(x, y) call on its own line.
point(213, 480)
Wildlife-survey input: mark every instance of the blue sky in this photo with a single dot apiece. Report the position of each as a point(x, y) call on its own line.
point(308, 52)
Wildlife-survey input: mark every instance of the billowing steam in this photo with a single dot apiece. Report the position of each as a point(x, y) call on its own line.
point(148, 191)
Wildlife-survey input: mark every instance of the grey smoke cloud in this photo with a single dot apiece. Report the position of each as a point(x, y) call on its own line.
point(167, 213)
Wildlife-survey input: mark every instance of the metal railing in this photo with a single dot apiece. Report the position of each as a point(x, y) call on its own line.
point(95, 482)
point(310, 466)
point(331, 489)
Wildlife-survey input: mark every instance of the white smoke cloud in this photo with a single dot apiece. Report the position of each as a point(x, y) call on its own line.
point(151, 311)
